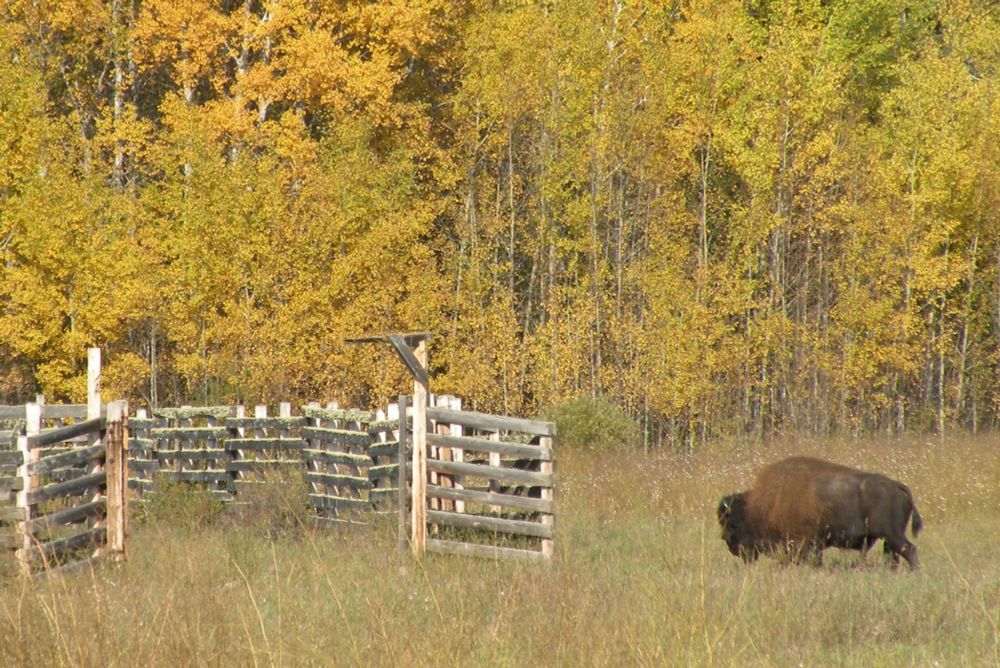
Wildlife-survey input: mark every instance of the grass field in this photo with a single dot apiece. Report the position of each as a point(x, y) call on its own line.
point(640, 577)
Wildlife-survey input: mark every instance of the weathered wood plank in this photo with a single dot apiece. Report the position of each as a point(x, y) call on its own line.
point(384, 449)
point(73, 457)
point(146, 466)
point(490, 422)
point(336, 414)
point(492, 498)
point(190, 433)
point(195, 412)
point(193, 454)
point(58, 548)
point(383, 425)
point(259, 464)
point(265, 423)
point(142, 424)
point(10, 459)
point(496, 524)
point(499, 473)
point(338, 502)
point(61, 434)
point(11, 514)
point(342, 436)
point(337, 480)
point(384, 471)
point(484, 551)
point(64, 474)
point(196, 476)
point(265, 444)
point(333, 457)
point(141, 485)
point(69, 515)
point(483, 445)
point(74, 487)
point(90, 563)
point(11, 483)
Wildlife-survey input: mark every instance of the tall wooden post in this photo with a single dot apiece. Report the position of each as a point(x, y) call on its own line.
point(402, 479)
point(418, 517)
point(116, 468)
point(93, 412)
point(94, 388)
point(29, 481)
point(458, 455)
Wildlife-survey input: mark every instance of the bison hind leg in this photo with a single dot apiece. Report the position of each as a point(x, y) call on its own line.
point(902, 548)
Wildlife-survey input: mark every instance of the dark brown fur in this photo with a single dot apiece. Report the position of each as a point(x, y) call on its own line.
point(803, 505)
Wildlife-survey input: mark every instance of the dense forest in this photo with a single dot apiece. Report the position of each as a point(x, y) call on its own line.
point(749, 217)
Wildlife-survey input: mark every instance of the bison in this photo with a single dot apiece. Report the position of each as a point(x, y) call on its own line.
point(801, 506)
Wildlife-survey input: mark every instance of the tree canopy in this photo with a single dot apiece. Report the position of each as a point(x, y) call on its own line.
point(730, 217)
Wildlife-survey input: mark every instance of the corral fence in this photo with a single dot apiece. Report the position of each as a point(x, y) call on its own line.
point(490, 484)
point(62, 484)
point(460, 482)
point(347, 458)
point(486, 489)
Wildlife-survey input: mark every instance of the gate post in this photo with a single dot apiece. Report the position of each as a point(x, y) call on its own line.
point(116, 468)
point(418, 526)
point(412, 350)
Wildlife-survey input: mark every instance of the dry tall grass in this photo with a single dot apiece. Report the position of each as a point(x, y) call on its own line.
point(640, 577)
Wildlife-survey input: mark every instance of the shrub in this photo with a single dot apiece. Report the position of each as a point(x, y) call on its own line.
point(594, 423)
point(181, 504)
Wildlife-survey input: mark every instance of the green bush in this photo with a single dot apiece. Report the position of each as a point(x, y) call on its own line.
point(181, 504)
point(594, 423)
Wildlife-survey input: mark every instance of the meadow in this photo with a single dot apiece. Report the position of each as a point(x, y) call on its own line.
point(640, 577)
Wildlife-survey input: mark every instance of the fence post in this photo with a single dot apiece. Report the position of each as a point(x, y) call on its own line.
point(29, 482)
point(442, 453)
point(418, 518)
point(547, 493)
point(458, 455)
point(93, 389)
point(94, 411)
point(402, 482)
point(116, 468)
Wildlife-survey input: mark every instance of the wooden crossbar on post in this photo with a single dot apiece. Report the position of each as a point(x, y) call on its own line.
point(412, 350)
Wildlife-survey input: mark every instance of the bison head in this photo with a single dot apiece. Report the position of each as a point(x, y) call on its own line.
point(736, 532)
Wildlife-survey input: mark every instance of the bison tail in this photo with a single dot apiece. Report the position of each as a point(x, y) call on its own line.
point(916, 524)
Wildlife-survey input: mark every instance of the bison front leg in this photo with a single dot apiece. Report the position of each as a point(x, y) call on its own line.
point(809, 552)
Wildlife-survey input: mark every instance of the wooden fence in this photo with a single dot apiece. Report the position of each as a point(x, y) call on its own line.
point(347, 458)
point(488, 480)
point(62, 481)
point(489, 486)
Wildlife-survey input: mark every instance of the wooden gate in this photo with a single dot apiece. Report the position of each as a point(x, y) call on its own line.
point(488, 484)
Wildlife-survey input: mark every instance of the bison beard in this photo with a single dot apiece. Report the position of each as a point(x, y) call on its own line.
point(801, 506)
